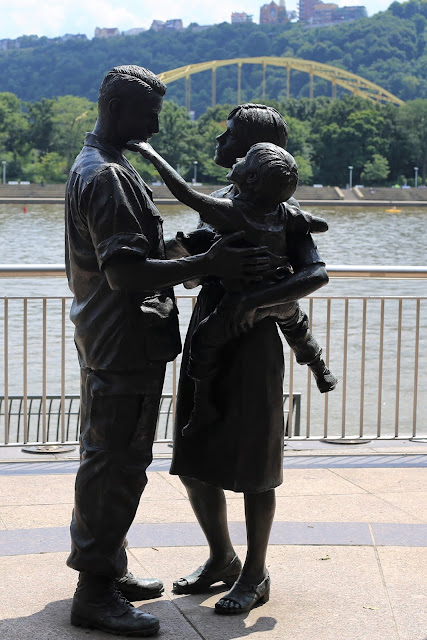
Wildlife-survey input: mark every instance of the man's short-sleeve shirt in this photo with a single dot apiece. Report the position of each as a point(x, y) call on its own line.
point(109, 213)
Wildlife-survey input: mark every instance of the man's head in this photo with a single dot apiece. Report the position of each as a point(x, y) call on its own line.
point(268, 171)
point(130, 100)
point(247, 125)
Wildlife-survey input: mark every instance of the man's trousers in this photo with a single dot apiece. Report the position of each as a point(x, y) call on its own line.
point(118, 422)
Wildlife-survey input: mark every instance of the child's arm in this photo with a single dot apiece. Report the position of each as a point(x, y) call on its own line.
point(213, 211)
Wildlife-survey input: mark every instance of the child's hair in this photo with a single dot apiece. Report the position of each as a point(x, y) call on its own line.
point(277, 171)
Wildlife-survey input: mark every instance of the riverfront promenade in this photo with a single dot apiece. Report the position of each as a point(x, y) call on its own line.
point(384, 197)
point(348, 553)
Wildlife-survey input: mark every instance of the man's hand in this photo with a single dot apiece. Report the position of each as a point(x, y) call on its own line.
point(225, 261)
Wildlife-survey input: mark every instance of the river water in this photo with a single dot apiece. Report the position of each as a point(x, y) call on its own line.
point(355, 236)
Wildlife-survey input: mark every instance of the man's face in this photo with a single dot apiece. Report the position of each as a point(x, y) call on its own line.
point(139, 116)
point(230, 145)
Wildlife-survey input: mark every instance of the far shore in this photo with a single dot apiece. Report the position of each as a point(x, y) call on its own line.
point(307, 196)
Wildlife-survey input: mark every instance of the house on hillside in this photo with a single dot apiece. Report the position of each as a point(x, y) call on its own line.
point(106, 32)
point(273, 13)
point(240, 18)
point(168, 25)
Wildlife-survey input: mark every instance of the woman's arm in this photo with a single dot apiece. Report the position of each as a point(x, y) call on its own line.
point(309, 275)
point(213, 211)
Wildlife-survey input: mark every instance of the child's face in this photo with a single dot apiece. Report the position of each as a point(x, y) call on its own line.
point(240, 171)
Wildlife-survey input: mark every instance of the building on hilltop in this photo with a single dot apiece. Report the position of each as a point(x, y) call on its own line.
point(106, 32)
point(7, 44)
point(168, 25)
point(273, 13)
point(323, 13)
point(319, 13)
point(346, 14)
point(240, 18)
point(305, 9)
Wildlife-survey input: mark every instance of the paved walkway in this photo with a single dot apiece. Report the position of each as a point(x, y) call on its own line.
point(348, 553)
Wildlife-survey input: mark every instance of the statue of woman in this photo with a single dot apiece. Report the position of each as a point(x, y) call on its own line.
point(244, 453)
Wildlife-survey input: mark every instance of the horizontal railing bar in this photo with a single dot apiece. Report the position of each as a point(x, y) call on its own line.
point(334, 271)
point(194, 297)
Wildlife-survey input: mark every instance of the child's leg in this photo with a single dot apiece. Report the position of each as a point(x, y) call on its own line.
point(306, 348)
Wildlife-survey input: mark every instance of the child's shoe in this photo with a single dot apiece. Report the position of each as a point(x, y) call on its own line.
point(325, 380)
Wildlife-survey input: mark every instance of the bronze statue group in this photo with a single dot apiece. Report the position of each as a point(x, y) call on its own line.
point(254, 257)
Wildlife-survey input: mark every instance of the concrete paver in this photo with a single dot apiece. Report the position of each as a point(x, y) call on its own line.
point(315, 482)
point(405, 572)
point(351, 590)
point(35, 516)
point(32, 490)
point(383, 480)
point(348, 508)
point(413, 503)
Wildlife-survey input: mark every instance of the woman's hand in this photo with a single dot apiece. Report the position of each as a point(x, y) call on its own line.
point(242, 318)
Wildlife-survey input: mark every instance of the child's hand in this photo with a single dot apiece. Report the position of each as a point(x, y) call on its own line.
point(144, 148)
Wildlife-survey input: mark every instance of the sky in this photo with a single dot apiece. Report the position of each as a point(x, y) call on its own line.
point(56, 17)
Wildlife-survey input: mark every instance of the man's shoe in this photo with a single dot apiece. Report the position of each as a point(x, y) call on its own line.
point(97, 604)
point(136, 589)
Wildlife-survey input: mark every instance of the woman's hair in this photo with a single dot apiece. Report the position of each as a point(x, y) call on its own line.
point(260, 123)
point(124, 80)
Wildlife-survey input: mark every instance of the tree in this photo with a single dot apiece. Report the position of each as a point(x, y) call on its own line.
point(176, 140)
point(412, 127)
point(41, 125)
point(72, 117)
point(375, 171)
point(13, 133)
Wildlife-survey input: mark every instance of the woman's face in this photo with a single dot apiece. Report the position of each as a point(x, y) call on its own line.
point(230, 145)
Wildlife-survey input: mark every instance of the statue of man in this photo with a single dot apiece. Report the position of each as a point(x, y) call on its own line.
point(126, 329)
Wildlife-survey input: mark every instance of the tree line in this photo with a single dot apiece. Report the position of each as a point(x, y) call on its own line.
point(389, 48)
point(39, 140)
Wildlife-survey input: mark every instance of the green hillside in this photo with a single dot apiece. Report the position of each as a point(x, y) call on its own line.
point(389, 49)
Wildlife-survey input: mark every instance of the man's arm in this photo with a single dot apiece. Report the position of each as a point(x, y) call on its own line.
point(134, 274)
point(114, 214)
point(213, 211)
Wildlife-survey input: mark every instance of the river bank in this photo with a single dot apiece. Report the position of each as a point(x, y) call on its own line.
point(307, 196)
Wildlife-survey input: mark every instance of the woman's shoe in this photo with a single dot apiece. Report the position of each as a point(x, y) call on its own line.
point(203, 578)
point(243, 597)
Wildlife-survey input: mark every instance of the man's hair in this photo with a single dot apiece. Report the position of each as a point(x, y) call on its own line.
point(124, 80)
point(277, 170)
point(260, 123)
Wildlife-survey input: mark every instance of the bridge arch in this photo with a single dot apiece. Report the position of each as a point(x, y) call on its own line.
point(338, 77)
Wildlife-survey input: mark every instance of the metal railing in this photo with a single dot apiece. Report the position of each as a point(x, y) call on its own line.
point(371, 342)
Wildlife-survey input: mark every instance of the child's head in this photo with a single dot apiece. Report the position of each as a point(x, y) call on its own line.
point(268, 170)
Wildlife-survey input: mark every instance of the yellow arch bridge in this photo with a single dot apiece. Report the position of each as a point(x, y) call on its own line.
point(337, 77)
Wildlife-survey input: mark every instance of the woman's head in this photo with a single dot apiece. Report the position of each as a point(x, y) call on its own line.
point(248, 124)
